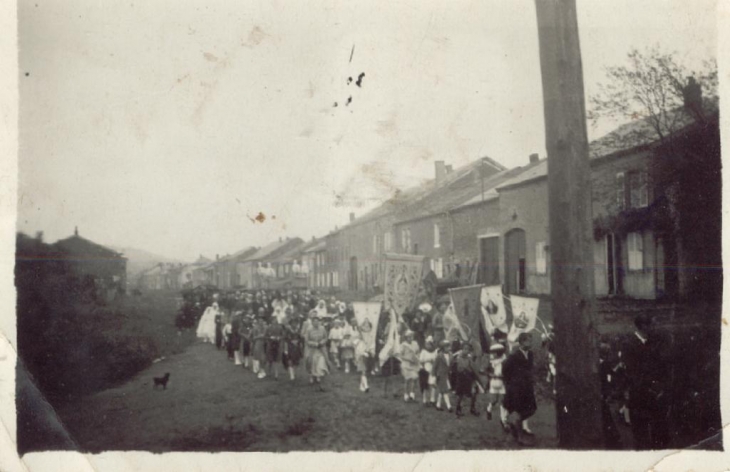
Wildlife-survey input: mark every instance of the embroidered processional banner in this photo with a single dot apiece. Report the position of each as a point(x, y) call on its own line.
point(367, 315)
point(467, 306)
point(524, 312)
point(402, 281)
point(494, 312)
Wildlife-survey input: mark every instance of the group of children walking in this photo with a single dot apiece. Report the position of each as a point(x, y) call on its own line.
point(451, 368)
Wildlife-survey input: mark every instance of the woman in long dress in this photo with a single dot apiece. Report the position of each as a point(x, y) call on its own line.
point(306, 327)
point(316, 342)
point(258, 352)
point(206, 325)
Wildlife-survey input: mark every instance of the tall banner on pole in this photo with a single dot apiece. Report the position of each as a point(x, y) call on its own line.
point(402, 281)
point(524, 312)
point(494, 311)
point(467, 305)
point(367, 315)
point(392, 341)
point(452, 326)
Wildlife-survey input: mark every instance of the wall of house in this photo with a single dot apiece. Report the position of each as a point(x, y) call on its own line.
point(245, 273)
point(526, 207)
point(467, 224)
point(365, 242)
point(603, 180)
point(643, 283)
point(423, 239)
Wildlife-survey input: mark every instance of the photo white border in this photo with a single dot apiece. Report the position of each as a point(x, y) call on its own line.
point(524, 460)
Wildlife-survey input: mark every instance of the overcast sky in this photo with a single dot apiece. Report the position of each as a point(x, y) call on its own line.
point(166, 125)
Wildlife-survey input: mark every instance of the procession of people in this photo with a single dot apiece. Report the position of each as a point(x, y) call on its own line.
point(280, 335)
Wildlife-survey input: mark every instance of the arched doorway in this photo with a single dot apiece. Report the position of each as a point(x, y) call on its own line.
point(514, 261)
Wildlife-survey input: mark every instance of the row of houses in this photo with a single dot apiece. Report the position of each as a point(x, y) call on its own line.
point(656, 208)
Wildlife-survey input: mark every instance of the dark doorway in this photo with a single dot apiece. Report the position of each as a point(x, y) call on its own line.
point(514, 261)
point(488, 261)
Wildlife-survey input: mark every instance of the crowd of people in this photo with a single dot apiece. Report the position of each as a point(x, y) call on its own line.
point(266, 331)
point(272, 333)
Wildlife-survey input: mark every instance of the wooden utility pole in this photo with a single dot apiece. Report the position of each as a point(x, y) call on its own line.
point(578, 401)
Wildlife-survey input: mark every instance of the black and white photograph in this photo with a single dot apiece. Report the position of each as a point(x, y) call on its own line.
point(375, 227)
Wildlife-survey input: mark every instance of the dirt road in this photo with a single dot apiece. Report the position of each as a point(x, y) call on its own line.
point(212, 405)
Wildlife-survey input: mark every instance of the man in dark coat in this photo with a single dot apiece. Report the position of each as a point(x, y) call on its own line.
point(519, 400)
point(648, 396)
point(419, 324)
point(219, 330)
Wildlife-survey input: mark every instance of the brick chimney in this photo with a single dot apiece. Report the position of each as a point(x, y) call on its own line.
point(352, 217)
point(217, 256)
point(534, 158)
point(76, 231)
point(440, 170)
point(449, 169)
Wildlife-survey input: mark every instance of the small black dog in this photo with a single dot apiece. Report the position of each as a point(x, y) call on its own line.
point(161, 381)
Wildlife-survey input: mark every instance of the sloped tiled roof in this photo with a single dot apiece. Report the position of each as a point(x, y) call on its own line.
point(274, 249)
point(625, 138)
point(532, 172)
point(242, 254)
point(318, 245)
point(489, 195)
point(290, 253)
point(641, 132)
point(409, 201)
point(78, 246)
point(448, 197)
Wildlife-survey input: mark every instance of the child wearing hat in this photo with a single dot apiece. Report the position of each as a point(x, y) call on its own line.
point(465, 377)
point(496, 383)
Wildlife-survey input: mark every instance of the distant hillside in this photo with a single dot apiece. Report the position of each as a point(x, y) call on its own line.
point(139, 259)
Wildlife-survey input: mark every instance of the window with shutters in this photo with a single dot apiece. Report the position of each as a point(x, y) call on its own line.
point(387, 242)
point(436, 236)
point(638, 190)
point(632, 190)
point(635, 243)
point(541, 258)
